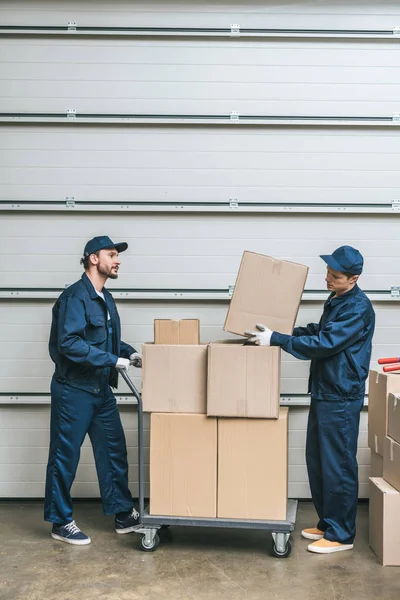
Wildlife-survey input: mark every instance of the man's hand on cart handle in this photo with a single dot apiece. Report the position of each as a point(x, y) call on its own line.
point(136, 360)
point(262, 337)
point(123, 364)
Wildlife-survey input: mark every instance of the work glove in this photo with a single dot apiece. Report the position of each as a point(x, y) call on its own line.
point(136, 360)
point(262, 337)
point(123, 364)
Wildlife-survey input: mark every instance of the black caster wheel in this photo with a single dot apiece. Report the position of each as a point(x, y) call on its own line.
point(283, 554)
point(149, 546)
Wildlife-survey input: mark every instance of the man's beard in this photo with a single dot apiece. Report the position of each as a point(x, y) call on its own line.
point(110, 274)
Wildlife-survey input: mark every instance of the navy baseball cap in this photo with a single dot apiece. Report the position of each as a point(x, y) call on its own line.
point(102, 242)
point(345, 259)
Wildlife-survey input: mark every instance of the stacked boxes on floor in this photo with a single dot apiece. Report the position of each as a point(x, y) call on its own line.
point(218, 440)
point(384, 441)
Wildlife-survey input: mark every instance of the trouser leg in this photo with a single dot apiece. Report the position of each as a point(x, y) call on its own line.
point(338, 426)
point(109, 448)
point(313, 461)
point(71, 414)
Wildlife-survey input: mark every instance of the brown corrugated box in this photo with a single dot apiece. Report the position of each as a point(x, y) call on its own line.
point(394, 417)
point(267, 291)
point(376, 469)
point(174, 378)
point(183, 465)
point(243, 381)
point(380, 386)
point(391, 462)
point(384, 521)
point(253, 468)
point(183, 332)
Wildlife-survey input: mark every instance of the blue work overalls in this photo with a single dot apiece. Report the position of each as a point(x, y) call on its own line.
point(339, 347)
point(85, 345)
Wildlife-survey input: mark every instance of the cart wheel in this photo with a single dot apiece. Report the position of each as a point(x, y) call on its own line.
point(149, 547)
point(283, 554)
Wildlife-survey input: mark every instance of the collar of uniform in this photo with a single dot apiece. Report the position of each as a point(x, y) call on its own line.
point(90, 287)
point(332, 300)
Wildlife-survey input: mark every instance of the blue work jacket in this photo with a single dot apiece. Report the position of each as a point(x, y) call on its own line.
point(80, 340)
point(339, 346)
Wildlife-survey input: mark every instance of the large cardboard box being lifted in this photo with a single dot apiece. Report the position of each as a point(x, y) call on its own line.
point(183, 332)
point(253, 468)
point(183, 465)
point(380, 386)
point(174, 378)
point(243, 381)
point(267, 291)
point(384, 521)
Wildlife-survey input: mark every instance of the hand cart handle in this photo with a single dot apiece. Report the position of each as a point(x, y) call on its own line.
point(138, 397)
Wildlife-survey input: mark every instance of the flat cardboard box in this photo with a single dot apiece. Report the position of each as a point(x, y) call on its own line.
point(183, 332)
point(268, 291)
point(376, 469)
point(384, 522)
point(394, 417)
point(243, 381)
point(253, 468)
point(174, 378)
point(391, 462)
point(183, 465)
point(380, 386)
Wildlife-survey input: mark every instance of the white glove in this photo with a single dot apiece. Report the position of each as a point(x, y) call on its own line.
point(136, 360)
point(123, 364)
point(261, 337)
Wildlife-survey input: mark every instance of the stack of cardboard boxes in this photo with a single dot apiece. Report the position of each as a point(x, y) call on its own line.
point(218, 437)
point(384, 441)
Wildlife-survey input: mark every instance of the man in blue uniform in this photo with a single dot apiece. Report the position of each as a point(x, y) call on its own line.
point(339, 347)
point(85, 345)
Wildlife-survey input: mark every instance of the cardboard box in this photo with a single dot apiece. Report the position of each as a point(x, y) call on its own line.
point(380, 386)
point(391, 462)
point(384, 521)
point(174, 378)
point(183, 465)
point(253, 468)
point(243, 381)
point(394, 417)
point(376, 469)
point(183, 332)
point(267, 291)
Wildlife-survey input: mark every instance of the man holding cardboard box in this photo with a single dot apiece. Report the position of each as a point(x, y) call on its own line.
point(339, 347)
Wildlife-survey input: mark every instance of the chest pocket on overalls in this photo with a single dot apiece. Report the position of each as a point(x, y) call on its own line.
point(96, 331)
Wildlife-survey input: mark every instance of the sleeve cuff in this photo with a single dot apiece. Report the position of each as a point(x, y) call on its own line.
point(279, 339)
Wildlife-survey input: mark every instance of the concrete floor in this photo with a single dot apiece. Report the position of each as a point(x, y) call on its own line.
point(195, 564)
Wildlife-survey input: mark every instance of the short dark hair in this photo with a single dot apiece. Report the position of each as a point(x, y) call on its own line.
point(85, 260)
point(349, 275)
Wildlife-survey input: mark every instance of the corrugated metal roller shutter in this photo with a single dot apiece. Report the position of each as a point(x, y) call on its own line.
point(342, 160)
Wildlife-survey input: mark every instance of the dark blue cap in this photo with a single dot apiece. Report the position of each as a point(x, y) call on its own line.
point(345, 259)
point(102, 242)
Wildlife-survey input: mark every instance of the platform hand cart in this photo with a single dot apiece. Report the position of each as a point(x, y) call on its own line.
point(151, 524)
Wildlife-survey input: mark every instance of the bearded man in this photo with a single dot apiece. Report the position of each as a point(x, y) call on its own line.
point(85, 345)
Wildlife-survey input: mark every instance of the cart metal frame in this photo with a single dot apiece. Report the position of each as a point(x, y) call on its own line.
point(151, 524)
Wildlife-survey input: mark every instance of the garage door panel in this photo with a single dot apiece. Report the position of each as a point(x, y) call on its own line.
point(320, 166)
point(296, 14)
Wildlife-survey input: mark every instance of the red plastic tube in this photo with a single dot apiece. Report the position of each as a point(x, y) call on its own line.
point(388, 361)
point(389, 368)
